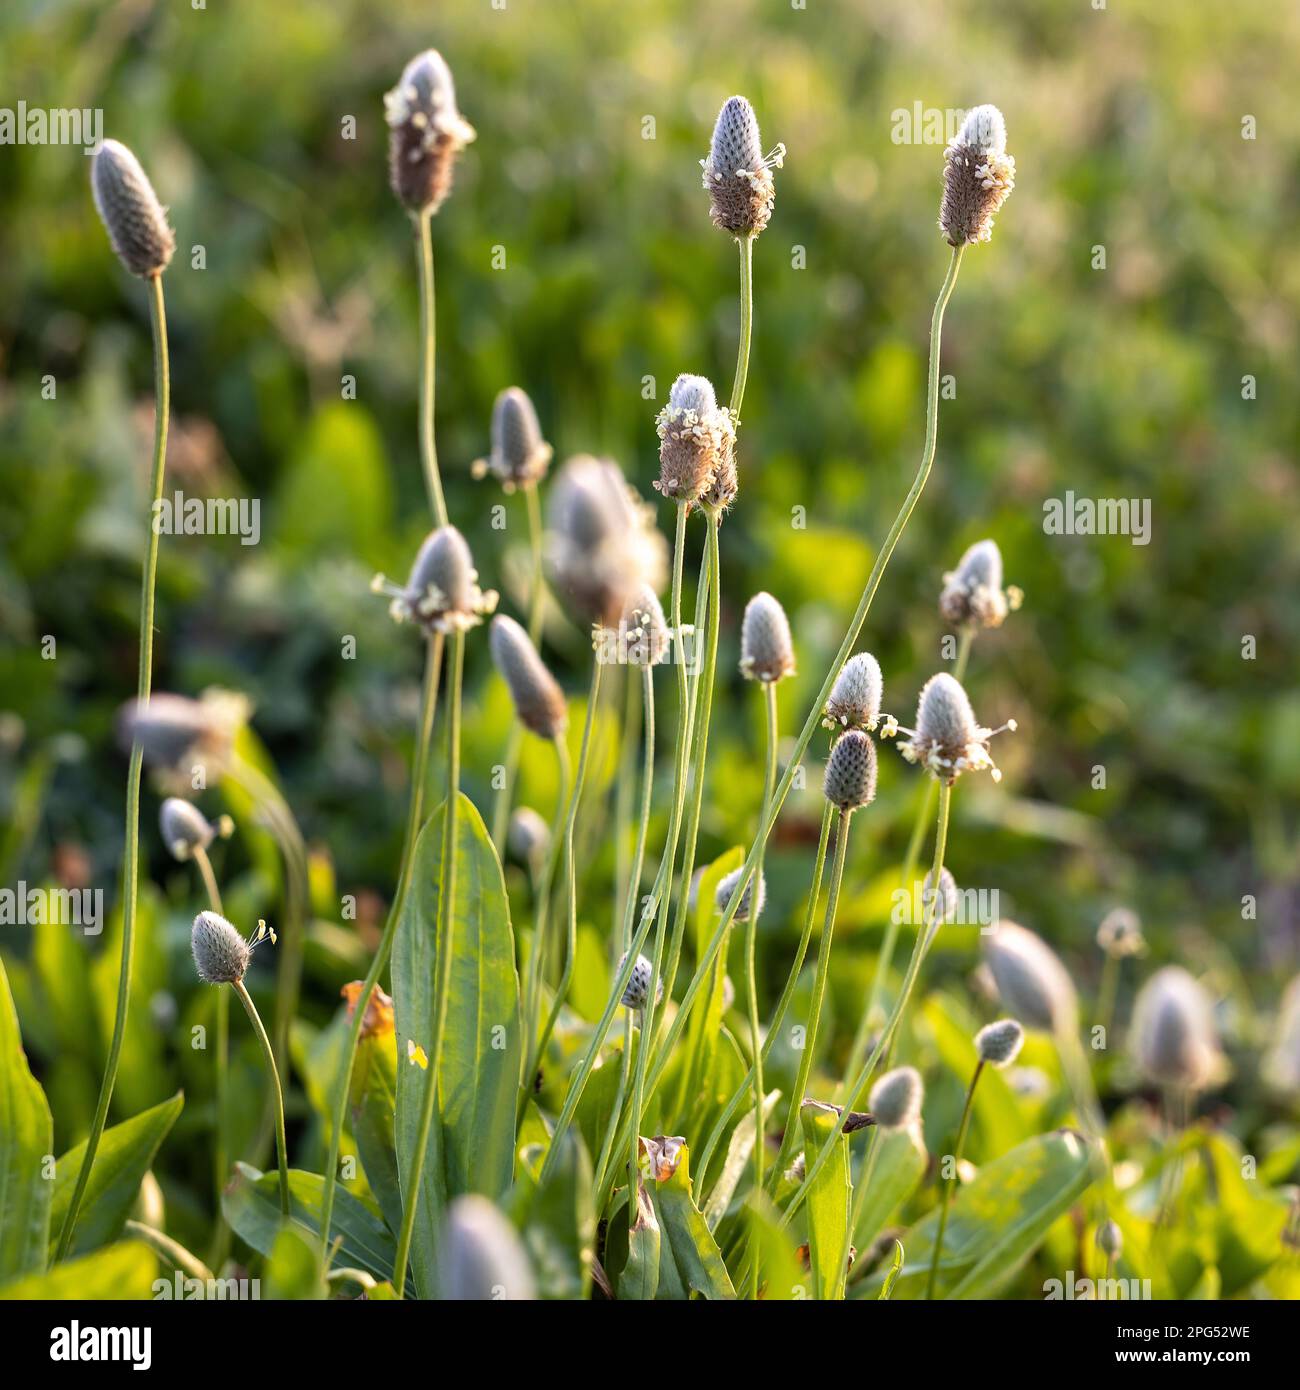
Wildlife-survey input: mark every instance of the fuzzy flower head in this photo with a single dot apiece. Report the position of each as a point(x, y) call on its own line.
point(539, 701)
point(185, 828)
point(520, 456)
point(999, 1043)
point(737, 174)
point(135, 220)
point(601, 540)
point(638, 983)
point(849, 782)
point(221, 955)
point(855, 697)
point(1110, 1240)
point(644, 629)
point(480, 1255)
point(752, 900)
point(895, 1099)
point(426, 133)
point(442, 593)
point(947, 739)
point(1032, 983)
point(696, 438)
point(178, 735)
point(528, 836)
point(1120, 933)
point(1174, 1040)
point(978, 177)
point(766, 647)
point(973, 594)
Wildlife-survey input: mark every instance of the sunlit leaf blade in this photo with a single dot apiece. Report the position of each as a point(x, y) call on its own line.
point(558, 1221)
point(739, 1150)
point(125, 1154)
point(690, 1257)
point(827, 1205)
point(126, 1270)
point(26, 1137)
point(897, 1172)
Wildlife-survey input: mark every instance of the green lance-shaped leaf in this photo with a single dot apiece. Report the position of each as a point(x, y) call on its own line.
point(557, 1222)
point(739, 1149)
point(125, 1155)
point(690, 1260)
point(373, 1108)
point(827, 1205)
point(26, 1137)
point(472, 1142)
point(252, 1207)
point(640, 1277)
point(998, 1220)
point(126, 1270)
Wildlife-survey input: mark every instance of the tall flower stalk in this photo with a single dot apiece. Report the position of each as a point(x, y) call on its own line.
point(137, 227)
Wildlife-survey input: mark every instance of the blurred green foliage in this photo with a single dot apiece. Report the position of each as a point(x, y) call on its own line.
point(576, 259)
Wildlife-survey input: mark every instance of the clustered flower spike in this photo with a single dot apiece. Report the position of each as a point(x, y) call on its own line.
point(737, 174)
point(644, 628)
point(528, 836)
point(947, 740)
point(442, 593)
point(999, 1043)
point(601, 542)
point(1032, 983)
point(177, 734)
point(185, 828)
point(519, 456)
point(855, 697)
point(1110, 1239)
point(850, 778)
point(1120, 933)
point(221, 955)
point(973, 593)
point(978, 177)
point(426, 133)
point(480, 1255)
point(753, 899)
point(638, 983)
point(539, 701)
point(129, 208)
point(895, 1099)
point(697, 438)
point(1173, 1035)
point(766, 647)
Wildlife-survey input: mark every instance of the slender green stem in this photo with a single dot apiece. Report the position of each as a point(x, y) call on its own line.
point(181, 1258)
point(751, 966)
point(952, 1181)
point(570, 869)
point(515, 738)
point(919, 952)
point(624, 793)
point(281, 1147)
point(783, 1004)
point(144, 681)
point(446, 948)
point(414, 820)
point(428, 344)
point(630, 895)
point(791, 1136)
point(1107, 992)
point(541, 921)
point(746, 246)
point(846, 647)
point(221, 1144)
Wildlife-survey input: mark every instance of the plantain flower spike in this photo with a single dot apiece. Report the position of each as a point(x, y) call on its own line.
point(425, 133)
point(978, 177)
point(737, 174)
point(129, 208)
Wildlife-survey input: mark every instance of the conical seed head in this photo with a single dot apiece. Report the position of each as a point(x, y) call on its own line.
point(856, 694)
point(766, 647)
point(528, 837)
point(220, 954)
point(1032, 983)
point(638, 982)
point(1174, 1039)
point(1120, 933)
point(981, 564)
point(972, 593)
point(444, 568)
point(519, 453)
point(895, 1099)
point(943, 713)
point(539, 701)
point(693, 393)
point(978, 177)
point(173, 729)
point(752, 900)
point(129, 208)
point(184, 827)
point(850, 780)
point(645, 628)
point(426, 132)
point(480, 1255)
point(999, 1043)
point(1110, 1239)
point(736, 142)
